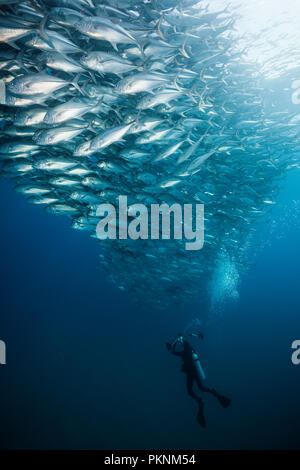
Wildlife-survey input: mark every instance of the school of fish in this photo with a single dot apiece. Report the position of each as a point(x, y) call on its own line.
point(150, 99)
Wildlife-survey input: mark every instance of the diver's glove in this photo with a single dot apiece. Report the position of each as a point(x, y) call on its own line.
point(200, 335)
point(169, 346)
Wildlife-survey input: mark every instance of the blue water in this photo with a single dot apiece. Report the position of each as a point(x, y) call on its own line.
point(88, 368)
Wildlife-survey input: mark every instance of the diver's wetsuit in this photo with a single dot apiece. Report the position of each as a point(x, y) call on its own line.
point(188, 356)
point(188, 367)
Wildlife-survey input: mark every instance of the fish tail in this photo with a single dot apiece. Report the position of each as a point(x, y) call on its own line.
point(175, 83)
point(41, 31)
point(77, 86)
point(182, 49)
point(158, 29)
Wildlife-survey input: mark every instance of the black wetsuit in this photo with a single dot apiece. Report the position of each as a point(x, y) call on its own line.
point(189, 368)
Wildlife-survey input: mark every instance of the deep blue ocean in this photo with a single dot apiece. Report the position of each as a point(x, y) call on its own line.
point(87, 368)
point(87, 364)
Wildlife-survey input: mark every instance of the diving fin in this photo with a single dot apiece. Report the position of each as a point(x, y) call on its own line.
point(200, 415)
point(224, 401)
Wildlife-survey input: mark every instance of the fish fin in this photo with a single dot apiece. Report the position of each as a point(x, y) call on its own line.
point(91, 129)
point(41, 31)
point(191, 95)
point(114, 45)
point(97, 107)
point(182, 49)
point(19, 61)
point(188, 139)
point(76, 85)
point(13, 44)
point(92, 75)
point(157, 28)
point(183, 113)
point(141, 45)
point(91, 3)
point(176, 84)
point(118, 114)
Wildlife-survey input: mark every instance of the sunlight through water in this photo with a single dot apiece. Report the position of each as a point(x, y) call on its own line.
point(268, 31)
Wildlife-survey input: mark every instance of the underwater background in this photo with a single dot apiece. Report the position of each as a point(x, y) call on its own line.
point(87, 365)
point(86, 368)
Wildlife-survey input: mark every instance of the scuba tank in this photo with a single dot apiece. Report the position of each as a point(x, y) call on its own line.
point(195, 358)
point(198, 367)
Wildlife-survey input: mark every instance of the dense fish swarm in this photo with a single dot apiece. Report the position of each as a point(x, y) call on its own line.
point(147, 99)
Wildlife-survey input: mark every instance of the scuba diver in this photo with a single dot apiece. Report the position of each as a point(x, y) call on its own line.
point(192, 367)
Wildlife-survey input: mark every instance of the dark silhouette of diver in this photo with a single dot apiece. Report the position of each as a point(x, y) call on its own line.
point(194, 372)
